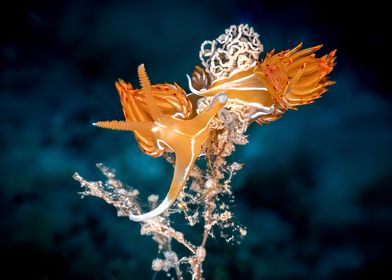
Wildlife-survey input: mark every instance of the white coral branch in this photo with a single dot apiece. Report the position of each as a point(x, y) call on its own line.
point(237, 49)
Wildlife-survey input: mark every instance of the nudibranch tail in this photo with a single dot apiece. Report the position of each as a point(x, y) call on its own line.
point(183, 165)
point(187, 147)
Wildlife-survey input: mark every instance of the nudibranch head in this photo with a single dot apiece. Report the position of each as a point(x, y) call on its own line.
point(153, 115)
point(169, 98)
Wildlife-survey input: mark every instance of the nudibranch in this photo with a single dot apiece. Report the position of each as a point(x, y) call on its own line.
point(159, 116)
point(281, 81)
point(164, 118)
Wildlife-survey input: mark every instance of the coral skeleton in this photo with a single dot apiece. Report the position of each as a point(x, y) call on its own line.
point(236, 49)
point(233, 89)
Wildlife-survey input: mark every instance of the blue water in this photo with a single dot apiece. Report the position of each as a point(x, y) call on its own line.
point(315, 191)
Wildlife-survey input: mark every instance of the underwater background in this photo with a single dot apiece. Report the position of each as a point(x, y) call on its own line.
point(315, 192)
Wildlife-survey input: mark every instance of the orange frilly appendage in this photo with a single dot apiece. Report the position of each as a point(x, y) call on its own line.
point(294, 78)
point(282, 81)
point(170, 99)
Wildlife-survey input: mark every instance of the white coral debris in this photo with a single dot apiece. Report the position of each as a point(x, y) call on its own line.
point(237, 49)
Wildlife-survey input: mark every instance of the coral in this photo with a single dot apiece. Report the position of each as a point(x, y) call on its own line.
point(236, 49)
point(203, 201)
point(233, 90)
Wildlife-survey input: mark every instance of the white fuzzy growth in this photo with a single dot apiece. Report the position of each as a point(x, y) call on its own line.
point(238, 48)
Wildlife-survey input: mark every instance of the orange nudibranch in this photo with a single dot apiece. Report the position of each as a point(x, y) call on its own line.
point(163, 120)
point(159, 121)
point(282, 81)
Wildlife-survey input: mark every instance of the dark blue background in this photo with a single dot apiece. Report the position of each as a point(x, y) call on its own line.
point(315, 192)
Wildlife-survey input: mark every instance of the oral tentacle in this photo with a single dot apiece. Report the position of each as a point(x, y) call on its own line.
point(146, 86)
point(125, 125)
